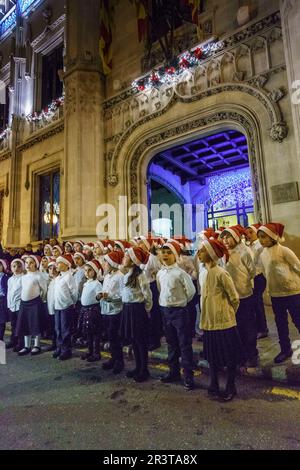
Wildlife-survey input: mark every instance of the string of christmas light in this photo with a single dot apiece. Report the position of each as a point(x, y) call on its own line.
point(231, 188)
point(4, 134)
point(48, 112)
point(170, 73)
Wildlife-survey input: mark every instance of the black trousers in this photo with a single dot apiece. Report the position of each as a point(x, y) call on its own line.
point(16, 341)
point(113, 323)
point(281, 306)
point(246, 325)
point(179, 338)
point(2, 331)
point(155, 320)
point(63, 329)
point(260, 283)
point(140, 351)
point(93, 344)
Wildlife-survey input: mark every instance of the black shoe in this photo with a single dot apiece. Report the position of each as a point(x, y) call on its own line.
point(283, 357)
point(10, 345)
point(213, 392)
point(170, 378)
point(118, 367)
point(85, 356)
point(24, 352)
point(94, 358)
point(108, 365)
point(16, 349)
point(36, 351)
point(228, 395)
point(143, 377)
point(131, 373)
point(262, 334)
point(189, 383)
point(65, 356)
point(56, 354)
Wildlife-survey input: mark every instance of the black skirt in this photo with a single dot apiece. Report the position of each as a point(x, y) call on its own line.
point(134, 323)
point(222, 348)
point(91, 320)
point(30, 318)
point(4, 313)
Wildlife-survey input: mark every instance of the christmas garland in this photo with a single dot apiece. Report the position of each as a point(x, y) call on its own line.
point(48, 112)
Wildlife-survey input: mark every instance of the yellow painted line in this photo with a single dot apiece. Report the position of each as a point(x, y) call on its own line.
point(285, 392)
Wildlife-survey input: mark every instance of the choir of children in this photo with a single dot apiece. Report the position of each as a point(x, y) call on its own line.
point(135, 293)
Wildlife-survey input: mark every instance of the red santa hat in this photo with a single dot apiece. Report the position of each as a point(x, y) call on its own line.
point(18, 260)
point(66, 259)
point(207, 234)
point(79, 255)
point(215, 249)
point(236, 231)
point(254, 227)
point(58, 248)
point(89, 246)
point(70, 244)
point(80, 242)
point(138, 256)
point(4, 264)
point(37, 259)
point(274, 230)
point(174, 246)
point(52, 262)
point(220, 230)
point(148, 242)
point(114, 258)
point(134, 241)
point(123, 244)
point(100, 244)
point(95, 265)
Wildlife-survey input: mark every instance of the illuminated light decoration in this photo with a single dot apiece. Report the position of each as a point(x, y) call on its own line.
point(26, 6)
point(48, 112)
point(47, 213)
point(4, 134)
point(171, 73)
point(8, 22)
point(228, 189)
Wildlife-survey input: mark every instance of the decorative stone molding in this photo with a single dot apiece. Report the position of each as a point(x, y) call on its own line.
point(279, 132)
point(113, 179)
point(42, 136)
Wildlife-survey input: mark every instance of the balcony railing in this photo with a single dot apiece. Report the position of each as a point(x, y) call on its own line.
point(47, 116)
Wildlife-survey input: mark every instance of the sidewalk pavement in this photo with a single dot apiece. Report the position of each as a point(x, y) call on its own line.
point(268, 348)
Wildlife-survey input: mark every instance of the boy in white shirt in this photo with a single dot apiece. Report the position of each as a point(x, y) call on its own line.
point(53, 274)
point(65, 295)
point(242, 270)
point(176, 291)
point(14, 301)
point(80, 280)
point(282, 270)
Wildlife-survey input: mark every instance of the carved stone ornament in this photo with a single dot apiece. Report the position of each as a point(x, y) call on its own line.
point(277, 95)
point(279, 131)
point(113, 180)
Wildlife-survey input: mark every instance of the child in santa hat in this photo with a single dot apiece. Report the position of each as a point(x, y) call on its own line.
point(282, 270)
point(30, 318)
point(53, 274)
point(176, 291)
point(151, 270)
point(48, 250)
point(4, 314)
point(137, 300)
point(14, 289)
point(66, 296)
point(57, 251)
point(259, 281)
point(219, 304)
point(242, 270)
point(80, 280)
point(68, 248)
point(90, 311)
point(111, 308)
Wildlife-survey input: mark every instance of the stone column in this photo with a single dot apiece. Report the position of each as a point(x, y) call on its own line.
point(290, 14)
point(83, 169)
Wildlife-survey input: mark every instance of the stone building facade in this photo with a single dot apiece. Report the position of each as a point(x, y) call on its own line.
point(100, 136)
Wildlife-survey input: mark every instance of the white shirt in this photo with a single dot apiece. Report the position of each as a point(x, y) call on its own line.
point(51, 297)
point(175, 286)
point(112, 284)
point(14, 289)
point(33, 285)
point(219, 299)
point(282, 270)
point(80, 279)
point(65, 291)
point(138, 294)
point(256, 250)
point(89, 292)
point(152, 268)
point(242, 270)
point(187, 263)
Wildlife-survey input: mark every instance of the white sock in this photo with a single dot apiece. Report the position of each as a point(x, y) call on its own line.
point(37, 341)
point(27, 341)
